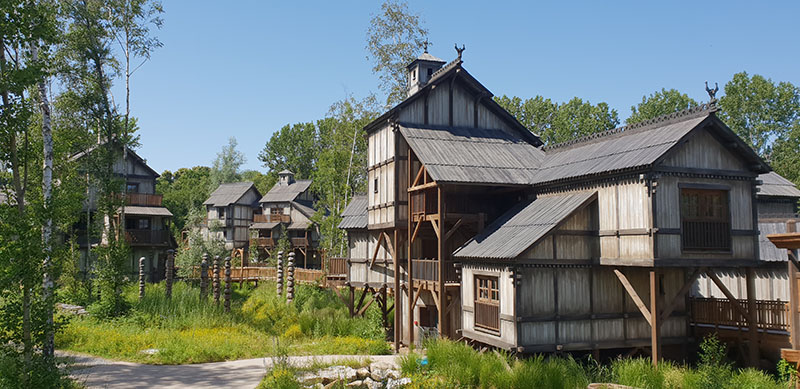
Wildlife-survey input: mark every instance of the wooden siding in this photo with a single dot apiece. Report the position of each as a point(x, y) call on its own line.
point(505, 278)
point(703, 151)
point(362, 247)
point(771, 284)
point(380, 199)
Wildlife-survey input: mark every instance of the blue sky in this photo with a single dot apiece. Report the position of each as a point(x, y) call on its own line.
point(247, 68)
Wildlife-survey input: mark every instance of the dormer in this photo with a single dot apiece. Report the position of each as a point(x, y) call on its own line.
point(421, 70)
point(285, 178)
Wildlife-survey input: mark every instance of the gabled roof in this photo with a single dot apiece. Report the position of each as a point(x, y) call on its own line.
point(774, 185)
point(146, 211)
point(637, 146)
point(523, 226)
point(306, 210)
point(426, 57)
point(229, 193)
point(471, 155)
point(285, 193)
point(354, 216)
point(454, 69)
point(132, 154)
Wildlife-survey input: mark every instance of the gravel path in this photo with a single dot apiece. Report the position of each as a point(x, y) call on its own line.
point(102, 373)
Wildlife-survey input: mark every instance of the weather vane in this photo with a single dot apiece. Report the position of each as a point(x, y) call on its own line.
point(426, 44)
point(712, 93)
point(461, 50)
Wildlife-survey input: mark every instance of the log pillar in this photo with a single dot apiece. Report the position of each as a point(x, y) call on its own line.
point(216, 280)
point(655, 320)
point(397, 318)
point(227, 284)
point(204, 277)
point(170, 272)
point(442, 254)
point(141, 278)
point(290, 279)
point(279, 274)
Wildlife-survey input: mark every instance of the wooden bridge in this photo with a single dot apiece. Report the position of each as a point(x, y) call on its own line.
point(334, 273)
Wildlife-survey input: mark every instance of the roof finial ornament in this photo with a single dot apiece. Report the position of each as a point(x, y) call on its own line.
point(425, 44)
point(461, 50)
point(712, 93)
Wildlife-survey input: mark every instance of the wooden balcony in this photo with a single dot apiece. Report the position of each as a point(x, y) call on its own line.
point(770, 314)
point(272, 218)
point(428, 270)
point(267, 243)
point(337, 266)
point(143, 199)
point(147, 237)
point(301, 242)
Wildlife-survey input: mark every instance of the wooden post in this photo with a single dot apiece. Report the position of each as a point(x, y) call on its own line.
point(141, 278)
point(752, 317)
point(441, 254)
point(655, 320)
point(279, 274)
point(290, 279)
point(204, 277)
point(227, 284)
point(352, 304)
point(397, 319)
point(170, 272)
point(216, 280)
point(409, 268)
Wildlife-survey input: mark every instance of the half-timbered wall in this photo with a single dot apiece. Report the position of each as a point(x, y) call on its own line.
point(362, 246)
point(507, 336)
point(381, 178)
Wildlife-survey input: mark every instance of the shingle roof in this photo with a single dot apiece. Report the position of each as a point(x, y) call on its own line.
point(304, 209)
point(264, 225)
point(285, 193)
point(301, 225)
point(773, 184)
point(471, 155)
point(148, 211)
point(426, 57)
point(522, 226)
point(354, 215)
point(229, 193)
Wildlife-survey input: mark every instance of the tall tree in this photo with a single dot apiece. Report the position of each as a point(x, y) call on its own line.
point(225, 167)
point(660, 103)
point(294, 147)
point(394, 38)
point(184, 190)
point(760, 110)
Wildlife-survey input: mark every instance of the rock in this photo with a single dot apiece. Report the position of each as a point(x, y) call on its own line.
point(356, 384)
point(318, 385)
point(370, 384)
point(378, 374)
point(335, 373)
point(393, 374)
point(149, 351)
point(331, 384)
point(393, 383)
point(362, 373)
point(310, 379)
point(381, 366)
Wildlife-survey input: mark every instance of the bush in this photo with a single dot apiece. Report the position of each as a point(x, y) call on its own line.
point(638, 372)
point(42, 375)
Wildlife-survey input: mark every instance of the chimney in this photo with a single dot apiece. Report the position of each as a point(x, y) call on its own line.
point(285, 178)
point(421, 70)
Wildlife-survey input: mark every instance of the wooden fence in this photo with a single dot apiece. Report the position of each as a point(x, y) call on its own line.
point(261, 273)
point(770, 314)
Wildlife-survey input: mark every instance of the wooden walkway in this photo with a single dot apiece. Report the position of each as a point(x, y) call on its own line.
point(264, 273)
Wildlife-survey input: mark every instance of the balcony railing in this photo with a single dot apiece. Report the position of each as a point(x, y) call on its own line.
point(337, 266)
point(428, 270)
point(143, 199)
point(147, 237)
point(300, 242)
point(770, 314)
point(272, 218)
point(267, 243)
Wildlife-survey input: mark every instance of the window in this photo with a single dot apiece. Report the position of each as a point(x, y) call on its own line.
point(487, 303)
point(132, 187)
point(276, 211)
point(430, 72)
point(144, 224)
point(375, 185)
point(705, 220)
point(220, 212)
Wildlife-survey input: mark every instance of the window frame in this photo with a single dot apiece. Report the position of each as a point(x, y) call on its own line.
point(487, 292)
point(705, 204)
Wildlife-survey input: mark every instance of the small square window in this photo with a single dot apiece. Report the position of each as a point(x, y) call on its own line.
point(375, 185)
point(132, 187)
point(430, 72)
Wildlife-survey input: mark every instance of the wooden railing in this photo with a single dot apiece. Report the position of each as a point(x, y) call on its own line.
point(487, 315)
point(428, 270)
point(308, 275)
point(337, 266)
point(144, 237)
point(265, 242)
point(706, 235)
point(770, 314)
point(255, 273)
point(300, 242)
point(143, 199)
point(272, 218)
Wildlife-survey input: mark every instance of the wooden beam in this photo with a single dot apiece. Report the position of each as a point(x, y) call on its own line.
point(681, 294)
point(409, 273)
point(453, 230)
point(436, 300)
point(435, 225)
point(389, 244)
point(339, 294)
point(418, 188)
point(361, 300)
point(397, 292)
point(419, 175)
point(734, 301)
point(377, 248)
point(442, 257)
point(655, 322)
point(752, 325)
point(413, 236)
point(794, 323)
point(416, 295)
point(634, 296)
point(366, 306)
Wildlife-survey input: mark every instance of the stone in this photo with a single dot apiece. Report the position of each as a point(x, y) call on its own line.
point(392, 383)
point(378, 374)
point(370, 384)
point(310, 379)
point(331, 384)
point(382, 365)
point(362, 373)
point(356, 384)
point(335, 373)
point(393, 374)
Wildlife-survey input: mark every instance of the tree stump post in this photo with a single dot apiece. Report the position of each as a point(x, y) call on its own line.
point(227, 284)
point(170, 272)
point(216, 280)
point(141, 278)
point(204, 277)
point(279, 274)
point(290, 279)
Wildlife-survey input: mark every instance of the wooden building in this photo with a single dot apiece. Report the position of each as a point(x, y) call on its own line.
point(230, 210)
point(147, 221)
point(588, 245)
point(286, 210)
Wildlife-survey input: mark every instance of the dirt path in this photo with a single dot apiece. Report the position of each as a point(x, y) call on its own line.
point(101, 373)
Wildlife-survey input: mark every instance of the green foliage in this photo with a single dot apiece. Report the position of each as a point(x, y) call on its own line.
point(660, 103)
point(786, 371)
point(557, 123)
point(225, 167)
point(713, 352)
point(190, 253)
point(263, 182)
point(40, 374)
point(280, 378)
point(184, 192)
point(638, 373)
point(394, 38)
point(293, 147)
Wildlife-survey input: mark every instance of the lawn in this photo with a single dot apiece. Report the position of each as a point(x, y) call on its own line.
point(186, 329)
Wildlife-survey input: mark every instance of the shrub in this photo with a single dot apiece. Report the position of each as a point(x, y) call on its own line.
point(637, 372)
point(280, 378)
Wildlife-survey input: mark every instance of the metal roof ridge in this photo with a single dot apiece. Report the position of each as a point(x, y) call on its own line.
point(679, 116)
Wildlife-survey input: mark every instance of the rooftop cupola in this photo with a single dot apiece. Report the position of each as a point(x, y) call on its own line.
point(421, 69)
point(285, 177)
